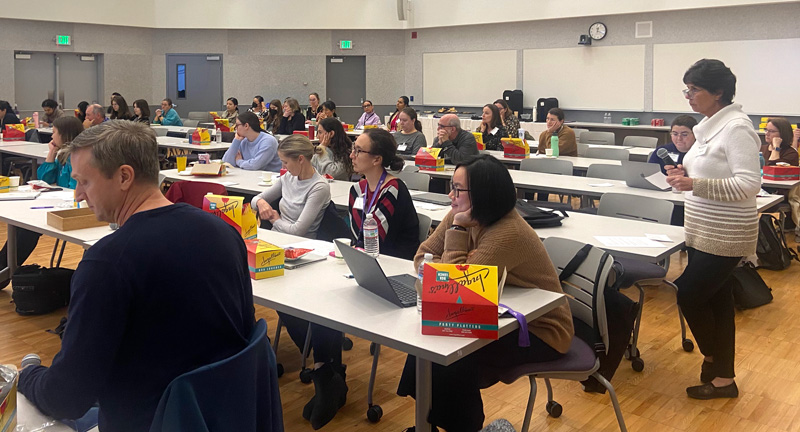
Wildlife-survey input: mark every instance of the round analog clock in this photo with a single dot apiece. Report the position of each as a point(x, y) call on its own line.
point(598, 31)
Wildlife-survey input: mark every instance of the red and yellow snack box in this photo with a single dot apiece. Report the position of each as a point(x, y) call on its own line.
point(14, 132)
point(5, 186)
point(515, 148)
point(264, 259)
point(460, 300)
point(200, 136)
point(479, 139)
point(222, 124)
point(427, 159)
point(234, 212)
point(775, 172)
point(214, 115)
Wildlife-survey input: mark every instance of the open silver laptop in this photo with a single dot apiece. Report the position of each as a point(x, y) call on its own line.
point(636, 174)
point(432, 198)
point(368, 273)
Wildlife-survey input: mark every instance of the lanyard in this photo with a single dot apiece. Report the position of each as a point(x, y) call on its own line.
point(524, 339)
point(367, 210)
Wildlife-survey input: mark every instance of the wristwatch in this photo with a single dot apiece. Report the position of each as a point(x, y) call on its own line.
point(455, 227)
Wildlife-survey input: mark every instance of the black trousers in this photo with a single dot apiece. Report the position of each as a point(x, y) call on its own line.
point(326, 342)
point(456, 399)
point(26, 243)
point(706, 298)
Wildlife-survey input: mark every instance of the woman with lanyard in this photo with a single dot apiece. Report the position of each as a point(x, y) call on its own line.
point(384, 196)
point(484, 228)
point(369, 118)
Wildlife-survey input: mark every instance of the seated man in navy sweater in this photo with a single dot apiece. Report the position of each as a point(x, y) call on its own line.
point(150, 301)
point(682, 140)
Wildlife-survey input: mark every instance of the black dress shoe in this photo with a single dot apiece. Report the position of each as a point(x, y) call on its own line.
point(708, 391)
point(707, 373)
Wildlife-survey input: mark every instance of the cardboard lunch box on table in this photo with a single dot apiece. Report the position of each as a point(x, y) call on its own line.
point(234, 211)
point(427, 159)
point(200, 136)
point(776, 172)
point(265, 260)
point(72, 219)
point(515, 148)
point(479, 140)
point(460, 300)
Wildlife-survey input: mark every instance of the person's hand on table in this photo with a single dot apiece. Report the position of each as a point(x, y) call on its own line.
point(465, 219)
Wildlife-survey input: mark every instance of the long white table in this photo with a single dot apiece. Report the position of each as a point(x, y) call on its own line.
point(341, 304)
point(184, 144)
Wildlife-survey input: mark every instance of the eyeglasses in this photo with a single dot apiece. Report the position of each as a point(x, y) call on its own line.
point(455, 190)
point(357, 151)
point(680, 134)
point(772, 131)
point(441, 126)
point(689, 93)
point(237, 125)
point(366, 105)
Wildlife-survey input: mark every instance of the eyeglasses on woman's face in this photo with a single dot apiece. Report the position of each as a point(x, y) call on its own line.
point(456, 191)
point(357, 151)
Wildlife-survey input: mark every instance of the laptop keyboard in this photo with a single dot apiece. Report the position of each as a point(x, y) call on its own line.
point(406, 294)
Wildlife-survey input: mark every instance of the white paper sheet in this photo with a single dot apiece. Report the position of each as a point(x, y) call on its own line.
point(628, 242)
point(62, 195)
point(601, 184)
point(428, 206)
point(228, 183)
point(658, 180)
point(659, 237)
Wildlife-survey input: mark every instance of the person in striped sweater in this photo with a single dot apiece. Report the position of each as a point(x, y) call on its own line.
point(720, 175)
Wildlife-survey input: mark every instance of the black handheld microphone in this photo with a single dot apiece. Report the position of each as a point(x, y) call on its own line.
point(664, 155)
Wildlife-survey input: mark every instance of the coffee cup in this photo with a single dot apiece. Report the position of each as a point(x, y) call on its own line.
point(13, 181)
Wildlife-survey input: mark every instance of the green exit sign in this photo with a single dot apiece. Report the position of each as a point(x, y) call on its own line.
point(346, 44)
point(63, 40)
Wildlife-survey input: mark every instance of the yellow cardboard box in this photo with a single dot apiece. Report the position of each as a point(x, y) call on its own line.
point(200, 136)
point(265, 260)
point(427, 159)
point(515, 148)
point(234, 211)
point(5, 184)
point(479, 139)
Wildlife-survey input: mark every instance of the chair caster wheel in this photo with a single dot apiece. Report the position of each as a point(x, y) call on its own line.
point(637, 364)
point(305, 376)
point(687, 345)
point(554, 409)
point(280, 370)
point(372, 348)
point(374, 413)
point(347, 344)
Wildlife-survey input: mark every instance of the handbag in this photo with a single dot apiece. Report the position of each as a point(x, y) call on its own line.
point(537, 217)
point(749, 289)
point(39, 290)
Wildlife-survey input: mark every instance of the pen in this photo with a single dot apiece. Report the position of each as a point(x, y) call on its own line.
point(42, 207)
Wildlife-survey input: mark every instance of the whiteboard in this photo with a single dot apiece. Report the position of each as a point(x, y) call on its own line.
point(469, 78)
point(590, 78)
point(766, 73)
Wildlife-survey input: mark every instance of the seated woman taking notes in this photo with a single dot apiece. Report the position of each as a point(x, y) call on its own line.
point(484, 228)
point(336, 145)
point(252, 149)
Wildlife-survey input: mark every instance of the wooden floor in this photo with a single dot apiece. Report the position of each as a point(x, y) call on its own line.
point(767, 364)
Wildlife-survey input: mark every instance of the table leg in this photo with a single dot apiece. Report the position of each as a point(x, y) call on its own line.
point(423, 406)
point(11, 252)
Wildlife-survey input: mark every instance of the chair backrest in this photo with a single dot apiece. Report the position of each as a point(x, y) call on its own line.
point(549, 166)
point(190, 123)
point(201, 116)
point(605, 171)
point(192, 192)
point(160, 130)
point(595, 137)
point(578, 132)
point(228, 136)
point(411, 168)
point(32, 135)
point(586, 285)
point(237, 393)
point(619, 154)
point(414, 180)
point(640, 141)
point(332, 226)
point(424, 226)
point(635, 207)
point(582, 149)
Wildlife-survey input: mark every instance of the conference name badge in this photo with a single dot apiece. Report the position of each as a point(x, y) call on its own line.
point(460, 300)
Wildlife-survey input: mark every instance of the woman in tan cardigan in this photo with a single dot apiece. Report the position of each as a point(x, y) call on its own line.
point(483, 227)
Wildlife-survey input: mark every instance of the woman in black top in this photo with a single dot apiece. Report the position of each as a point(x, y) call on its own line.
point(141, 111)
point(313, 107)
point(80, 112)
point(258, 108)
point(119, 109)
point(273, 121)
point(7, 115)
point(492, 128)
point(292, 119)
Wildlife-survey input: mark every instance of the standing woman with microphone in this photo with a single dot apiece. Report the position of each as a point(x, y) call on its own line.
point(720, 175)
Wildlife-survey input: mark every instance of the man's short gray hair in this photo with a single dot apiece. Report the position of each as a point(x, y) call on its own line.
point(98, 110)
point(121, 142)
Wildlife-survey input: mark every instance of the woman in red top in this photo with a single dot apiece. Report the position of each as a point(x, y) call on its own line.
point(402, 102)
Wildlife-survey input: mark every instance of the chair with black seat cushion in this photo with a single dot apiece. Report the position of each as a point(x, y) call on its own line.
point(633, 272)
point(584, 284)
point(238, 393)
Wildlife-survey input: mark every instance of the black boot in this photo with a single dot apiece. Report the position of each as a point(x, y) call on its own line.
point(309, 407)
point(330, 394)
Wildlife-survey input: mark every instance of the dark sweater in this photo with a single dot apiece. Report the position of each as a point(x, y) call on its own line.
point(297, 122)
point(398, 226)
point(674, 153)
point(460, 149)
point(131, 328)
point(10, 118)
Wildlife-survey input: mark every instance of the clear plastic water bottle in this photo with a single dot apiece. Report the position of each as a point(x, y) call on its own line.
point(418, 284)
point(762, 162)
point(554, 145)
point(218, 135)
point(371, 245)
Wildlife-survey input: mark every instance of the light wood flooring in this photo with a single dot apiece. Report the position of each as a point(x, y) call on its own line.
point(767, 364)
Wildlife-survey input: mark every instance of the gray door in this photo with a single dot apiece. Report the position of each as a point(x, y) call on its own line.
point(44, 74)
point(346, 85)
point(194, 82)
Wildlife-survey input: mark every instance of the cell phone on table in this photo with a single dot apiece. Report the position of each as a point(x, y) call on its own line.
point(51, 189)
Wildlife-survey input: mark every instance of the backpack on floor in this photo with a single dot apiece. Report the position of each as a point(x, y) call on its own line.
point(38, 290)
point(749, 289)
point(772, 251)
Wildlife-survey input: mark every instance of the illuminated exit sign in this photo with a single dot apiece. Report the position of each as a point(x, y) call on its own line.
point(63, 40)
point(346, 44)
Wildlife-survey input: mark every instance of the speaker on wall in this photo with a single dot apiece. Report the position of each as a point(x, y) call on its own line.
point(402, 7)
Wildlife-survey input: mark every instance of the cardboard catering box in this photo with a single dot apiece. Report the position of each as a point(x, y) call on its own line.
point(72, 219)
point(234, 212)
point(5, 184)
point(200, 136)
point(775, 172)
point(264, 259)
point(479, 140)
point(427, 159)
point(515, 148)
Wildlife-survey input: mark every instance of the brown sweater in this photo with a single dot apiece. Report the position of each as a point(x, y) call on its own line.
point(788, 155)
point(512, 243)
point(567, 146)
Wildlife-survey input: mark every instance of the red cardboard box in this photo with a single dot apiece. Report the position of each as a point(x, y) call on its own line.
point(427, 159)
point(515, 148)
point(775, 172)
